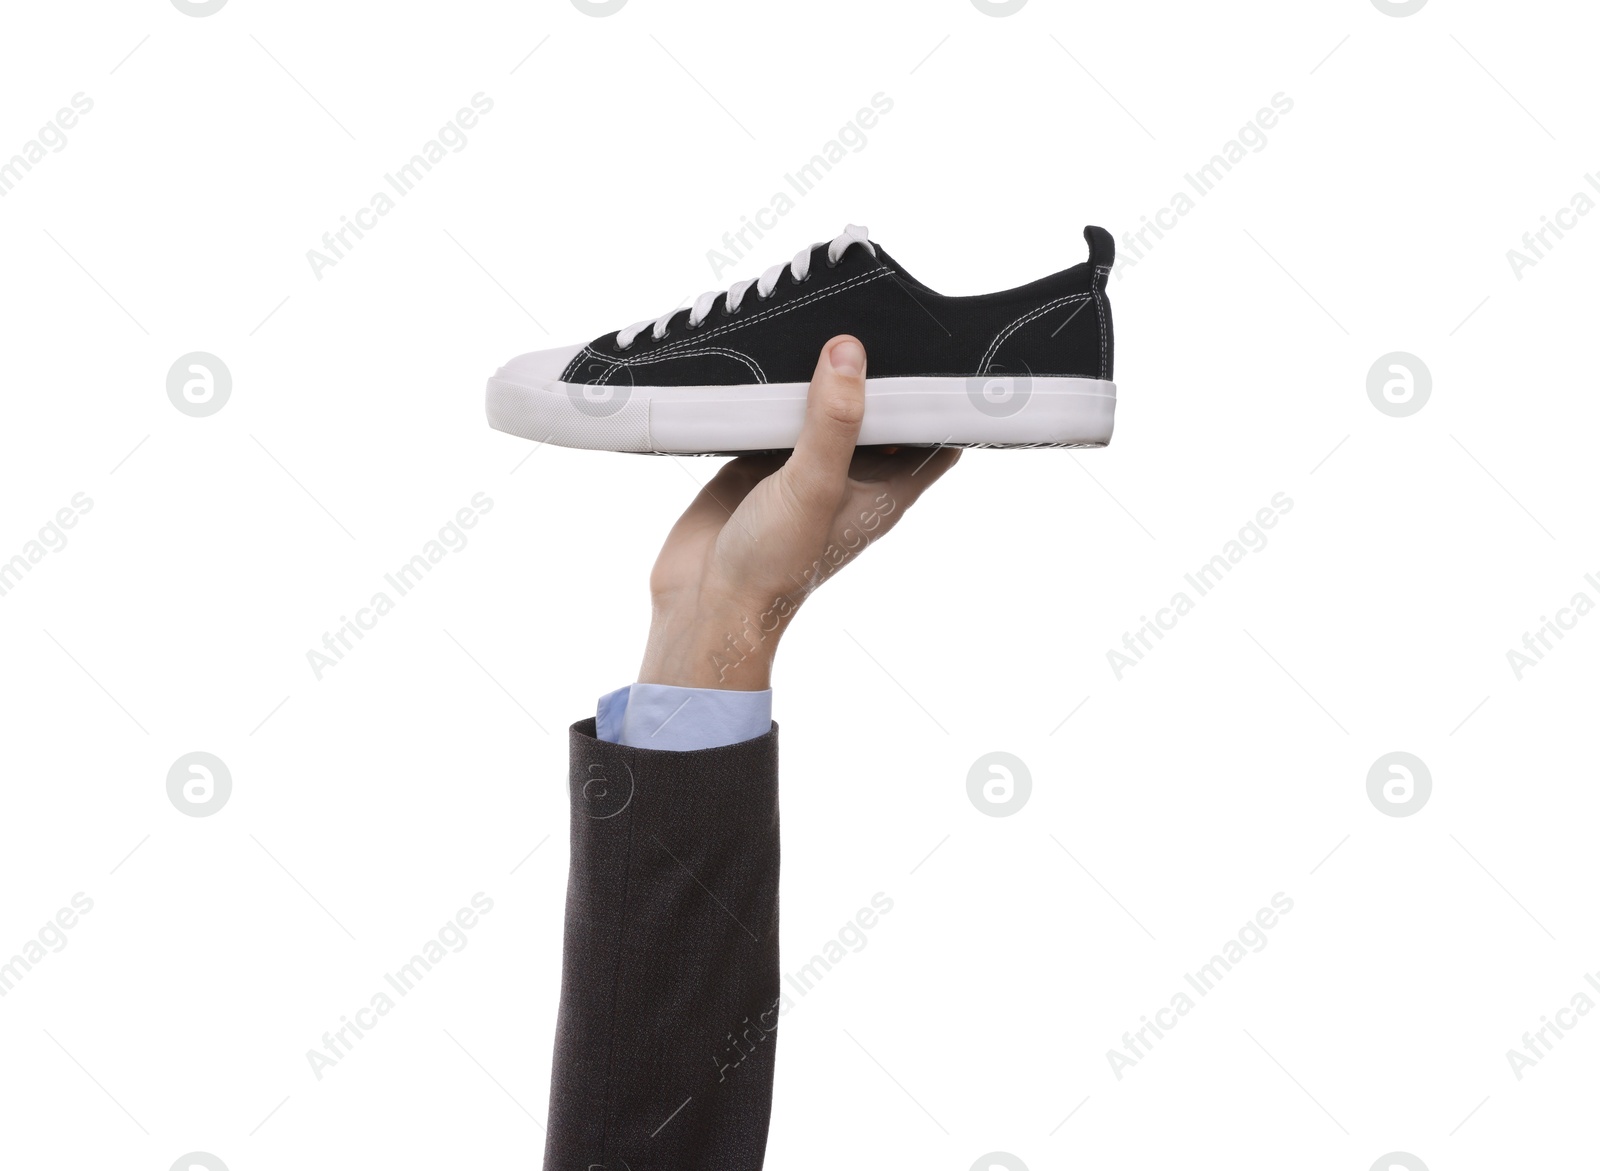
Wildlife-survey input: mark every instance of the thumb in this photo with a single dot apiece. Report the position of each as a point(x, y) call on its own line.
point(835, 404)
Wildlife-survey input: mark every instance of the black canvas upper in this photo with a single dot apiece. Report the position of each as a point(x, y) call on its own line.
point(1058, 326)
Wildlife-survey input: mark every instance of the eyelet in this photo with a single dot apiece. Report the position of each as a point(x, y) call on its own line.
point(665, 334)
point(796, 280)
point(622, 349)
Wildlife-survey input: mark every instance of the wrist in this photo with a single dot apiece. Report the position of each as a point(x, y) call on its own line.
point(720, 644)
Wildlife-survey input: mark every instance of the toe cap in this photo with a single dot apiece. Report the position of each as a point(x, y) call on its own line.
point(540, 367)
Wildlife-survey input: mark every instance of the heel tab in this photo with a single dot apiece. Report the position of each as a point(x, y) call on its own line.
point(1102, 248)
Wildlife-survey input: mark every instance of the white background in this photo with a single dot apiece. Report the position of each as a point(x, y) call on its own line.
point(369, 806)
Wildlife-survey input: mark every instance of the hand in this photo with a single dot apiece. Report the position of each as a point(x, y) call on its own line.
point(767, 530)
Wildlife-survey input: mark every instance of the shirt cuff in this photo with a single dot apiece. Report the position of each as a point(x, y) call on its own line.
point(681, 719)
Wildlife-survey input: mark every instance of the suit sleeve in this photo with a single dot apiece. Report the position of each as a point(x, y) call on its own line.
point(667, 1031)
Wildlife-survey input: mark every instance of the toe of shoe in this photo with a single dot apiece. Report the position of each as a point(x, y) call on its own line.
point(539, 368)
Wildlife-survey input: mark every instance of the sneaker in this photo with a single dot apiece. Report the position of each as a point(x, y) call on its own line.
point(1027, 367)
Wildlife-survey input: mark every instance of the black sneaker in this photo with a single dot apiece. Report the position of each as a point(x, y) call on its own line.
point(1027, 367)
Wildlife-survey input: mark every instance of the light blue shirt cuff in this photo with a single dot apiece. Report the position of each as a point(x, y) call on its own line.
point(681, 719)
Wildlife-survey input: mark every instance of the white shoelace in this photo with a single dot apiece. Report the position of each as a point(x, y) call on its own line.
point(800, 266)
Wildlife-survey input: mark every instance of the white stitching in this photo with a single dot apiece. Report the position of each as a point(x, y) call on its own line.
point(1000, 338)
point(750, 363)
point(646, 359)
point(572, 366)
point(727, 351)
point(761, 375)
point(1103, 273)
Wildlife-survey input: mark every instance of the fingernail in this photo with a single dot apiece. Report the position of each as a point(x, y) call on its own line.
point(848, 358)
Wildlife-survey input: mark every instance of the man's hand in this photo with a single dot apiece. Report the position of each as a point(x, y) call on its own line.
point(767, 530)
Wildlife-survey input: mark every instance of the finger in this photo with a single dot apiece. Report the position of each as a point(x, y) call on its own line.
point(835, 404)
point(919, 477)
point(909, 473)
point(725, 491)
point(920, 464)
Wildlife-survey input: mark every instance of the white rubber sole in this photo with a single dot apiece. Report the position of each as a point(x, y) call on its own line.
point(982, 411)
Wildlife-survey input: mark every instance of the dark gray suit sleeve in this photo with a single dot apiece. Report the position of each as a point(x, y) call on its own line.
point(667, 1031)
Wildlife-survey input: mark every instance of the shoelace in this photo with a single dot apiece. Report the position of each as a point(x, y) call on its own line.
point(800, 266)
